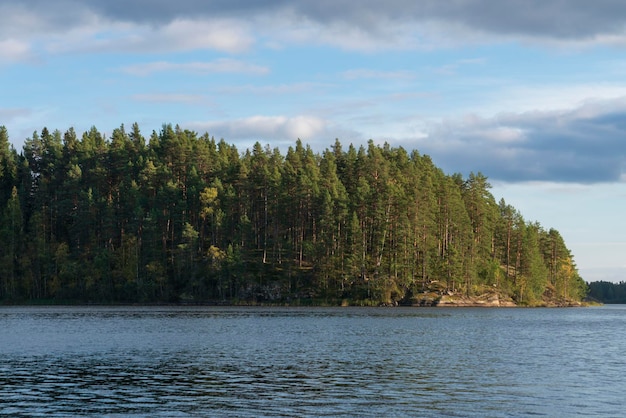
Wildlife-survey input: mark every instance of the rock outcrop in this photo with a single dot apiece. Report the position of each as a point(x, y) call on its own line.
point(488, 300)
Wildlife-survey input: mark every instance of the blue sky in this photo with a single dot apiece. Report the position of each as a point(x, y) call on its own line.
point(530, 93)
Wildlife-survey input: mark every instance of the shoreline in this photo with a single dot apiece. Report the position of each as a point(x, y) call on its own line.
point(423, 301)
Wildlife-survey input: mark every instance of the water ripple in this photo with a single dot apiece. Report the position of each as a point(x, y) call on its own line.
point(310, 362)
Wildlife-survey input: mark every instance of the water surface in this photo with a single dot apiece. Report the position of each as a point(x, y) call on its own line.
point(215, 361)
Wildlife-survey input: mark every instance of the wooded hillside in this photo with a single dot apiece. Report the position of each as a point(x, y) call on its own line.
point(182, 217)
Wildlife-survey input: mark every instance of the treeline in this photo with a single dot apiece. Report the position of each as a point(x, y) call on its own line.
point(182, 217)
point(607, 292)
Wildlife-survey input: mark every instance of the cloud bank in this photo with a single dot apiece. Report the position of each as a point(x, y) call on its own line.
point(577, 19)
point(234, 26)
point(582, 145)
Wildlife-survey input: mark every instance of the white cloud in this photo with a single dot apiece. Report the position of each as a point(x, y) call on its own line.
point(267, 128)
point(304, 127)
point(178, 35)
point(222, 35)
point(10, 114)
point(14, 50)
point(91, 33)
point(503, 134)
point(552, 97)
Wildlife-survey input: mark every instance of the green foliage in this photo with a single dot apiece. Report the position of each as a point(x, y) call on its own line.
point(181, 217)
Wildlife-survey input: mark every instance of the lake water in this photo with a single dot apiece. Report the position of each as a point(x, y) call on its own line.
point(215, 361)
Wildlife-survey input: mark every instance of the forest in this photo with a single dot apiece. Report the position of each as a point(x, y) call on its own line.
point(178, 217)
point(607, 292)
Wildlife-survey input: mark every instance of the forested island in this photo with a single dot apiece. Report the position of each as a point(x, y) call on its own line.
point(179, 217)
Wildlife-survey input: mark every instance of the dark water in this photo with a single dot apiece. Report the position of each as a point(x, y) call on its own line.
point(59, 361)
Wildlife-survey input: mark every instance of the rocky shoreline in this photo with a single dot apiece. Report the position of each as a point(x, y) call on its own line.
point(492, 301)
point(488, 300)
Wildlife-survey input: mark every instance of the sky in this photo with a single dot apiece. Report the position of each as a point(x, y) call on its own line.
point(531, 93)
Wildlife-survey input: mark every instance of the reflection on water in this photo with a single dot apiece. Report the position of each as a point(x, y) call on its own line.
point(315, 362)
